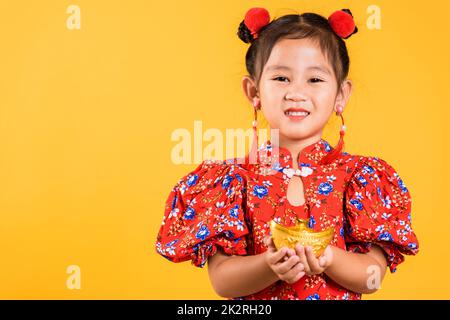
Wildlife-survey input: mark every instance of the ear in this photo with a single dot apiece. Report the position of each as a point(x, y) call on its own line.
point(343, 94)
point(251, 91)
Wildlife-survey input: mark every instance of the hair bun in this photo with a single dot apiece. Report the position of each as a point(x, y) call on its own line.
point(342, 23)
point(255, 19)
point(244, 33)
point(348, 11)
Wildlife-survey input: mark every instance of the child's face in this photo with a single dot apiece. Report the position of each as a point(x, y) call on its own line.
point(297, 86)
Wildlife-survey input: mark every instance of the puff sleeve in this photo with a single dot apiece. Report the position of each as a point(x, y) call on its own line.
point(378, 211)
point(204, 212)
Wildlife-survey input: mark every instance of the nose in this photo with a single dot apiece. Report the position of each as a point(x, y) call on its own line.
point(296, 93)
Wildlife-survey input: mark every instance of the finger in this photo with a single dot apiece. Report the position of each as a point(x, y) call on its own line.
point(322, 262)
point(270, 244)
point(326, 257)
point(283, 267)
point(295, 273)
point(277, 255)
point(292, 274)
point(286, 266)
point(296, 278)
point(294, 270)
point(312, 261)
point(289, 254)
point(301, 253)
point(267, 240)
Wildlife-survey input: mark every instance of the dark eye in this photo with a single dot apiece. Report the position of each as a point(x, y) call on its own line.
point(283, 78)
point(316, 80)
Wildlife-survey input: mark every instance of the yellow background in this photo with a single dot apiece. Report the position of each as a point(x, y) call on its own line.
point(86, 117)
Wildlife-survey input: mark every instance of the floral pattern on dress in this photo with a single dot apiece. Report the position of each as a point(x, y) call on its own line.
point(228, 206)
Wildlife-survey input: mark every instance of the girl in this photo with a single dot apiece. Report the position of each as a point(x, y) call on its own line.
point(220, 212)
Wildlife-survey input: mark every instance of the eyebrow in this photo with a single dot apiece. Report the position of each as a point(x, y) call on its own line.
point(316, 67)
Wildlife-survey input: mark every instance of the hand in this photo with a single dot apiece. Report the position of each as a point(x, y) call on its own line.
point(312, 264)
point(284, 262)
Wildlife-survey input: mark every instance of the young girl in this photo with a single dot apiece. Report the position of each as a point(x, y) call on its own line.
point(220, 213)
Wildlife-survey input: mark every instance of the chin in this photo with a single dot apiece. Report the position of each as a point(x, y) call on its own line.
point(294, 134)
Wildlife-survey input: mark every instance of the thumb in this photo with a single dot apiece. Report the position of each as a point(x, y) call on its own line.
point(267, 240)
point(322, 261)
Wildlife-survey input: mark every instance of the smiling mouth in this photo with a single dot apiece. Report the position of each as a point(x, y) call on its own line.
point(296, 115)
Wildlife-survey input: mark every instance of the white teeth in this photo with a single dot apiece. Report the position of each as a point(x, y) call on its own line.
point(297, 113)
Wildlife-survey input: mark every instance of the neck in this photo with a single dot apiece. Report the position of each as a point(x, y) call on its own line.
point(295, 146)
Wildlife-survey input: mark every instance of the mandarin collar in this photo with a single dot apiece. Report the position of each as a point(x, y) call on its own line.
point(310, 155)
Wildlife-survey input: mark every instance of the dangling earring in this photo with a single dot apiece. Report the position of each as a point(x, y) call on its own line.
point(337, 150)
point(254, 149)
point(339, 112)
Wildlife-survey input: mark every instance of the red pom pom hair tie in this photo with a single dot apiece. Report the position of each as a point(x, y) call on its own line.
point(342, 23)
point(255, 19)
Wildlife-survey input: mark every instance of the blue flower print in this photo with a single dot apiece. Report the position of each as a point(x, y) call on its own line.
point(171, 243)
point(277, 167)
point(325, 188)
point(402, 185)
point(361, 179)
point(379, 193)
point(236, 240)
point(327, 146)
point(386, 201)
point(189, 214)
point(174, 202)
point(303, 164)
point(234, 212)
point(195, 247)
point(260, 191)
point(385, 236)
point(238, 177)
point(342, 232)
point(368, 169)
point(202, 233)
point(192, 180)
point(358, 205)
point(226, 181)
point(412, 245)
point(386, 216)
point(267, 183)
point(314, 296)
point(228, 234)
point(311, 222)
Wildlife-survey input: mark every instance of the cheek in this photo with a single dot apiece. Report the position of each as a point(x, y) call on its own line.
point(324, 96)
point(321, 115)
point(272, 90)
point(324, 103)
point(272, 115)
point(271, 106)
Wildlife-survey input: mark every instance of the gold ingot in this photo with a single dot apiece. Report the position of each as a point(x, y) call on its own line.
point(301, 234)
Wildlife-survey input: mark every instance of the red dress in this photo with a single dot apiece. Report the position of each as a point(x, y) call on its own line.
point(228, 205)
